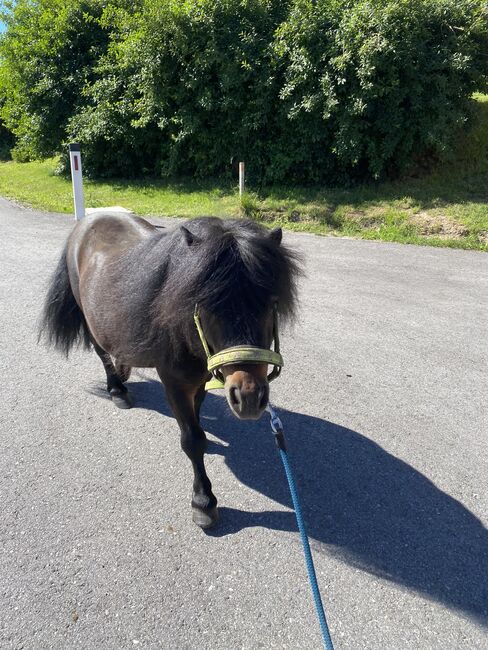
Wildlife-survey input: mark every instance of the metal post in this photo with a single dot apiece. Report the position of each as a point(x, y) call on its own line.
point(241, 178)
point(77, 178)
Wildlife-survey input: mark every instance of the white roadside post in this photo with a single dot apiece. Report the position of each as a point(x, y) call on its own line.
point(241, 179)
point(77, 178)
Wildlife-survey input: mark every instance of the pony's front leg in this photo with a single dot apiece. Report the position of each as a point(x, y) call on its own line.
point(185, 401)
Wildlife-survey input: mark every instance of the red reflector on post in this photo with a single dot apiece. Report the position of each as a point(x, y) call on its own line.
point(76, 163)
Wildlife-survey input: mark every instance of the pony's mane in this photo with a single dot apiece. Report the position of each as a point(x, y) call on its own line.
point(228, 267)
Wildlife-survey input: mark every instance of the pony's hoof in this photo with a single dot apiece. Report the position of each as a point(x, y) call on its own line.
point(120, 399)
point(205, 518)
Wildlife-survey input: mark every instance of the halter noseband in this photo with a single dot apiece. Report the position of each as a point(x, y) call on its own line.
point(239, 354)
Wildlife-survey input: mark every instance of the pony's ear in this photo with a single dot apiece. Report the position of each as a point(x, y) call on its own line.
point(190, 238)
point(276, 235)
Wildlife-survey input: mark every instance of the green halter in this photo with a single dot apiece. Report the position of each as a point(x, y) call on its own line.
point(239, 354)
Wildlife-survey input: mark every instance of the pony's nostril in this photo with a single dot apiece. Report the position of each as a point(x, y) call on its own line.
point(235, 397)
point(263, 397)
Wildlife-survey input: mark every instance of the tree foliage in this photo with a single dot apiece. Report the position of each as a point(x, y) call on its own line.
point(302, 90)
point(48, 54)
point(380, 82)
point(188, 88)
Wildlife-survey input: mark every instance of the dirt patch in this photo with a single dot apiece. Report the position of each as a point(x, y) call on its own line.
point(268, 216)
point(363, 219)
point(438, 225)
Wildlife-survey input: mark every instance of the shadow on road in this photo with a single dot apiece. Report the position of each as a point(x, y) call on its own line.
point(371, 509)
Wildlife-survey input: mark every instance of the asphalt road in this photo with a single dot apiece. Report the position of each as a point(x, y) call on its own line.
point(384, 404)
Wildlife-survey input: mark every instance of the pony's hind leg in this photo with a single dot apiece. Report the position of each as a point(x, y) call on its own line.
point(115, 386)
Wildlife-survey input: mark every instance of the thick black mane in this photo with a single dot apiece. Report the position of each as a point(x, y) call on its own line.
point(228, 268)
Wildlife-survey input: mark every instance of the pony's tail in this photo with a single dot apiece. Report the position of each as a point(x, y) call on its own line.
point(62, 322)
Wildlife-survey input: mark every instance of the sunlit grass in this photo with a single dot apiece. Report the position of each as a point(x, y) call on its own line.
point(36, 184)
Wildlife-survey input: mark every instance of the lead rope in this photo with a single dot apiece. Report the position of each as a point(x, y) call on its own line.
point(277, 428)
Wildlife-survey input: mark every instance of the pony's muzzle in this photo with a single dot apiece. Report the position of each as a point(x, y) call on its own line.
point(247, 395)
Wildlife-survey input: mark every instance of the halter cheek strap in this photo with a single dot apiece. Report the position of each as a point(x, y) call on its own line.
point(239, 354)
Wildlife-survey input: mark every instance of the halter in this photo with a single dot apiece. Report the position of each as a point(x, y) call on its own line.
point(239, 354)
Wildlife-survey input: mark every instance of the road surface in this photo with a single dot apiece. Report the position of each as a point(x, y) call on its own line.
point(383, 400)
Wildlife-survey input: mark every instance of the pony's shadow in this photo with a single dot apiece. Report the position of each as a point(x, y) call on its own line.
point(371, 509)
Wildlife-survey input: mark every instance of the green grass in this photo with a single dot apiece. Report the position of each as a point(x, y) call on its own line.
point(35, 184)
point(448, 207)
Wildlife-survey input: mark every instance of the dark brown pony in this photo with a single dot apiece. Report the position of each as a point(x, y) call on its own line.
point(129, 289)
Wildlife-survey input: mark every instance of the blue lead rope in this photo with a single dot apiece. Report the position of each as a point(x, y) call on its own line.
point(277, 428)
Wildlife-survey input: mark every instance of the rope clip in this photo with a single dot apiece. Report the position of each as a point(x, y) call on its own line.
point(276, 427)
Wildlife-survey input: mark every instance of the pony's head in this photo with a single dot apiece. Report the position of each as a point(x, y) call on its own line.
point(242, 370)
point(240, 280)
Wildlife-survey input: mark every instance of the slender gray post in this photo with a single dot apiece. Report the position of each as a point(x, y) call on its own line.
point(77, 179)
point(241, 178)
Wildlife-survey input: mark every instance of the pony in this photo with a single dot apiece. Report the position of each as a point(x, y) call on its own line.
point(149, 297)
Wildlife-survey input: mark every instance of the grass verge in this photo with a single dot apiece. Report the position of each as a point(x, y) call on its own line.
point(448, 207)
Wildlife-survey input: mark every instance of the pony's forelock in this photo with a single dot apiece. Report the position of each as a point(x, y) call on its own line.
point(227, 266)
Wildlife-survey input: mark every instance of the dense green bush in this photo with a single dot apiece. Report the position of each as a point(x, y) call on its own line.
point(373, 84)
point(47, 57)
point(186, 89)
point(304, 90)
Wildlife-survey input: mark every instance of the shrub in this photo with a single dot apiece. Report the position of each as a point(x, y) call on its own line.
point(191, 85)
point(318, 90)
point(302, 90)
point(47, 57)
point(371, 85)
